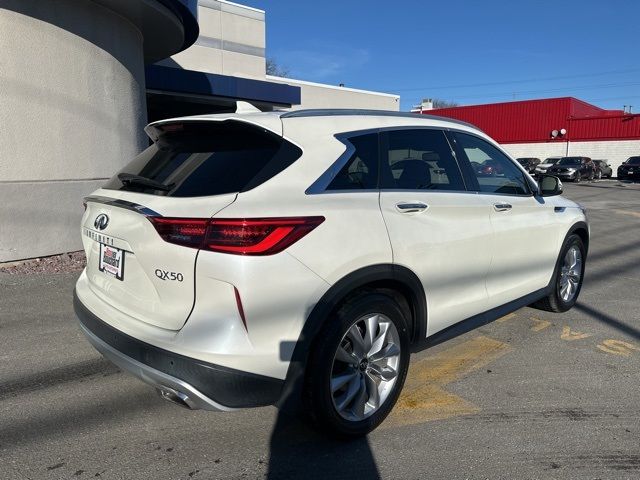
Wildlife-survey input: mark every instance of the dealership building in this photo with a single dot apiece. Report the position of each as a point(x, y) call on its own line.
point(79, 80)
point(555, 127)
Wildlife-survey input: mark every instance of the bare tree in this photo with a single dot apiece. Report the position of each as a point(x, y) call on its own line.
point(273, 68)
point(440, 103)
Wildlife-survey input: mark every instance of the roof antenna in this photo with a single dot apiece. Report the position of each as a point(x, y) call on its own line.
point(246, 107)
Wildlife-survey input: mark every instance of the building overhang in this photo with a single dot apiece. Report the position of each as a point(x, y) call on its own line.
point(218, 89)
point(167, 26)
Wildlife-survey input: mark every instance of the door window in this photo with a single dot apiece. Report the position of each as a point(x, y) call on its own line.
point(419, 159)
point(494, 171)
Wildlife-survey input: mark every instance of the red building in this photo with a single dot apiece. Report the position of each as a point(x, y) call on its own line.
point(555, 127)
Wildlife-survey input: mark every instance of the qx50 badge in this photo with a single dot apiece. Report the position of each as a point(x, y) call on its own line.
point(101, 221)
point(171, 276)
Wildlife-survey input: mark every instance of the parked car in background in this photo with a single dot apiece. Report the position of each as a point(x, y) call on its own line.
point(630, 169)
point(488, 168)
point(603, 169)
point(573, 168)
point(226, 264)
point(544, 166)
point(529, 163)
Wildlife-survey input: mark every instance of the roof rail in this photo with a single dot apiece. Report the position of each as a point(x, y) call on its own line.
point(334, 112)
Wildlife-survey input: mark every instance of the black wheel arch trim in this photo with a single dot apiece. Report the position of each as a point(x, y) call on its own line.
point(574, 228)
point(339, 291)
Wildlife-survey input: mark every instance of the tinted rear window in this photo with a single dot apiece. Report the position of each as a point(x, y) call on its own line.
point(570, 161)
point(633, 161)
point(195, 159)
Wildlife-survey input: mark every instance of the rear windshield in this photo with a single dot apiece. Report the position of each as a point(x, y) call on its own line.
point(194, 159)
point(570, 161)
point(633, 161)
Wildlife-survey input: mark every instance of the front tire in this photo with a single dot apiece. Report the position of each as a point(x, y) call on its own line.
point(567, 277)
point(358, 367)
point(577, 178)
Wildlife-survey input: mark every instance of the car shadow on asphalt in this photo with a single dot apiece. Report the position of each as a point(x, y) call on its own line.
point(608, 319)
point(299, 451)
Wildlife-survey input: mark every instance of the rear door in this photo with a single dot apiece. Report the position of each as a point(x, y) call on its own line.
point(525, 240)
point(192, 171)
point(437, 229)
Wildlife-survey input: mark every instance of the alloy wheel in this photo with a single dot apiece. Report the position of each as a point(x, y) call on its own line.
point(570, 274)
point(365, 367)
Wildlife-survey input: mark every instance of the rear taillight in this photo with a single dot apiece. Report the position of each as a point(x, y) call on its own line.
point(188, 232)
point(245, 236)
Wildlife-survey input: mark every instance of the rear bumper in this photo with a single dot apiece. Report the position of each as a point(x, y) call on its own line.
point(200, 385)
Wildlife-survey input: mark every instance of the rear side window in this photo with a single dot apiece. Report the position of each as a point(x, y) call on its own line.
point(494, 171)
point(194, 159)
point(419, 159)
point(361, 170)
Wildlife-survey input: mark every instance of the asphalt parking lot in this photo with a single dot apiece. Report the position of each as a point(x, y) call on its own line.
point(532, 395)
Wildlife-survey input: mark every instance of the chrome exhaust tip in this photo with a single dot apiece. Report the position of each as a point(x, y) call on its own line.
point(175, 397)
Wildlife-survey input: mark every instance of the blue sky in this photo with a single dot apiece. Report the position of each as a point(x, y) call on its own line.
point(467, 51)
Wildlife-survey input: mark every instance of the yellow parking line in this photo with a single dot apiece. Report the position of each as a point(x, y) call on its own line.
point(423, 398)
point(539, 324)
point(617, 347)
point(627, 212)
point(569, 335)
point(509, 316)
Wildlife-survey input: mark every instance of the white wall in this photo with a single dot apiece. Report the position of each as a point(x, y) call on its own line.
point(318, 95)
point(231, 41)
point(72, 110)
point(615, 152)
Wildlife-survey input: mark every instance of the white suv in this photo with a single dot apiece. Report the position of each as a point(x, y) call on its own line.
point(296, 258)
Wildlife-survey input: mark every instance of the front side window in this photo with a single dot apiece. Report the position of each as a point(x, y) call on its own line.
point(494, 171)
point(361, 170)
point(419, 159)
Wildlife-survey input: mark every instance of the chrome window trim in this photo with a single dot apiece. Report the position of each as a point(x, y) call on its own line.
point(114, 202)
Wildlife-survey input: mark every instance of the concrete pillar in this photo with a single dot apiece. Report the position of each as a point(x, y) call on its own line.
point(72, 112)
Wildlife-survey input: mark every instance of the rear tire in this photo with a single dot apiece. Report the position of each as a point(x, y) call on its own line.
point(353, 382)
point(567, 277)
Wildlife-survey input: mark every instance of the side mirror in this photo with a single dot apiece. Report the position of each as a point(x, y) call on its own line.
point(549, 186)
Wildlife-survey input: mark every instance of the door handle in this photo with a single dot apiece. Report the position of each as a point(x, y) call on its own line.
point(502, 207)
point(411, 207)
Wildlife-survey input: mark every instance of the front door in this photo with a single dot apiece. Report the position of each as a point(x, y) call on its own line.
point(525, 240)
point(437, 228)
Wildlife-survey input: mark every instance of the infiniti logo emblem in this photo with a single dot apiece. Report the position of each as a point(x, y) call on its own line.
point(101, 221)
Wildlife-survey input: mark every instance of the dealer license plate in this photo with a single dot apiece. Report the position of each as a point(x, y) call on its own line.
point(111, 261)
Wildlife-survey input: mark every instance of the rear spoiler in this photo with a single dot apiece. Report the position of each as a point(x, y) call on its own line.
point(267, 122)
